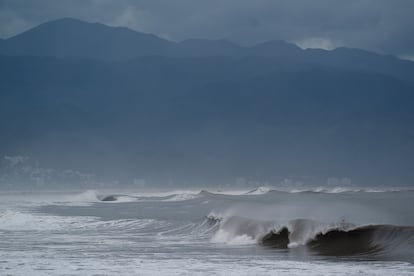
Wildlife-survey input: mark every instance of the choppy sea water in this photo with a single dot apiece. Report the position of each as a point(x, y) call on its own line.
point(259, 232)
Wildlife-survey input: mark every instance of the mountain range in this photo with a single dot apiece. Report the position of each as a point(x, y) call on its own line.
point(123, 105)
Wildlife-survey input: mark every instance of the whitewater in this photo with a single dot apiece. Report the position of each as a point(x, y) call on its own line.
point(263, 231)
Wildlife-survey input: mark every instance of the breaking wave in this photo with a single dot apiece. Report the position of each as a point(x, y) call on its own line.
point(337, 239)
point(131, 198)
point(89, 197)
point(327, 190)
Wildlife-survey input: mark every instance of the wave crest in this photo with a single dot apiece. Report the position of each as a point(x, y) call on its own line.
point(337, 239)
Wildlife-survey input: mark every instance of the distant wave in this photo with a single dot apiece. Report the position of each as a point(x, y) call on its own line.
point(337, 239)
point(93, 196)
point(329, 190)
point(180, 196)
point(117, 198)
point(259, 191)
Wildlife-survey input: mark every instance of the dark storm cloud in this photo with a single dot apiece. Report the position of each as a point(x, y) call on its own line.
point(380, 25)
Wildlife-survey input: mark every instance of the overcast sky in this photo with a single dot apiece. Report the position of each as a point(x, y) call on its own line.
point(385, 26)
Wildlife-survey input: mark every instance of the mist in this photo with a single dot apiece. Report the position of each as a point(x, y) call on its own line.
point(88, 105)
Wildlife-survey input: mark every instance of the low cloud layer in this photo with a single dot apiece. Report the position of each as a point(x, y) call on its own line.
point(379, 25)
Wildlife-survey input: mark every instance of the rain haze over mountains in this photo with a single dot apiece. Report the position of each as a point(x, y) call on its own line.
point(230, 96)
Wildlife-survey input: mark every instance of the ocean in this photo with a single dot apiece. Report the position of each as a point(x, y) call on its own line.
point(264, 231)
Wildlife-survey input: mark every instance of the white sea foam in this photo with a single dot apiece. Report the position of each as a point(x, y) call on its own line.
point(13, 220)
point(21, 265)
point(86, 197)
point(182, 196)
point(224, 236)
point(259, 191)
